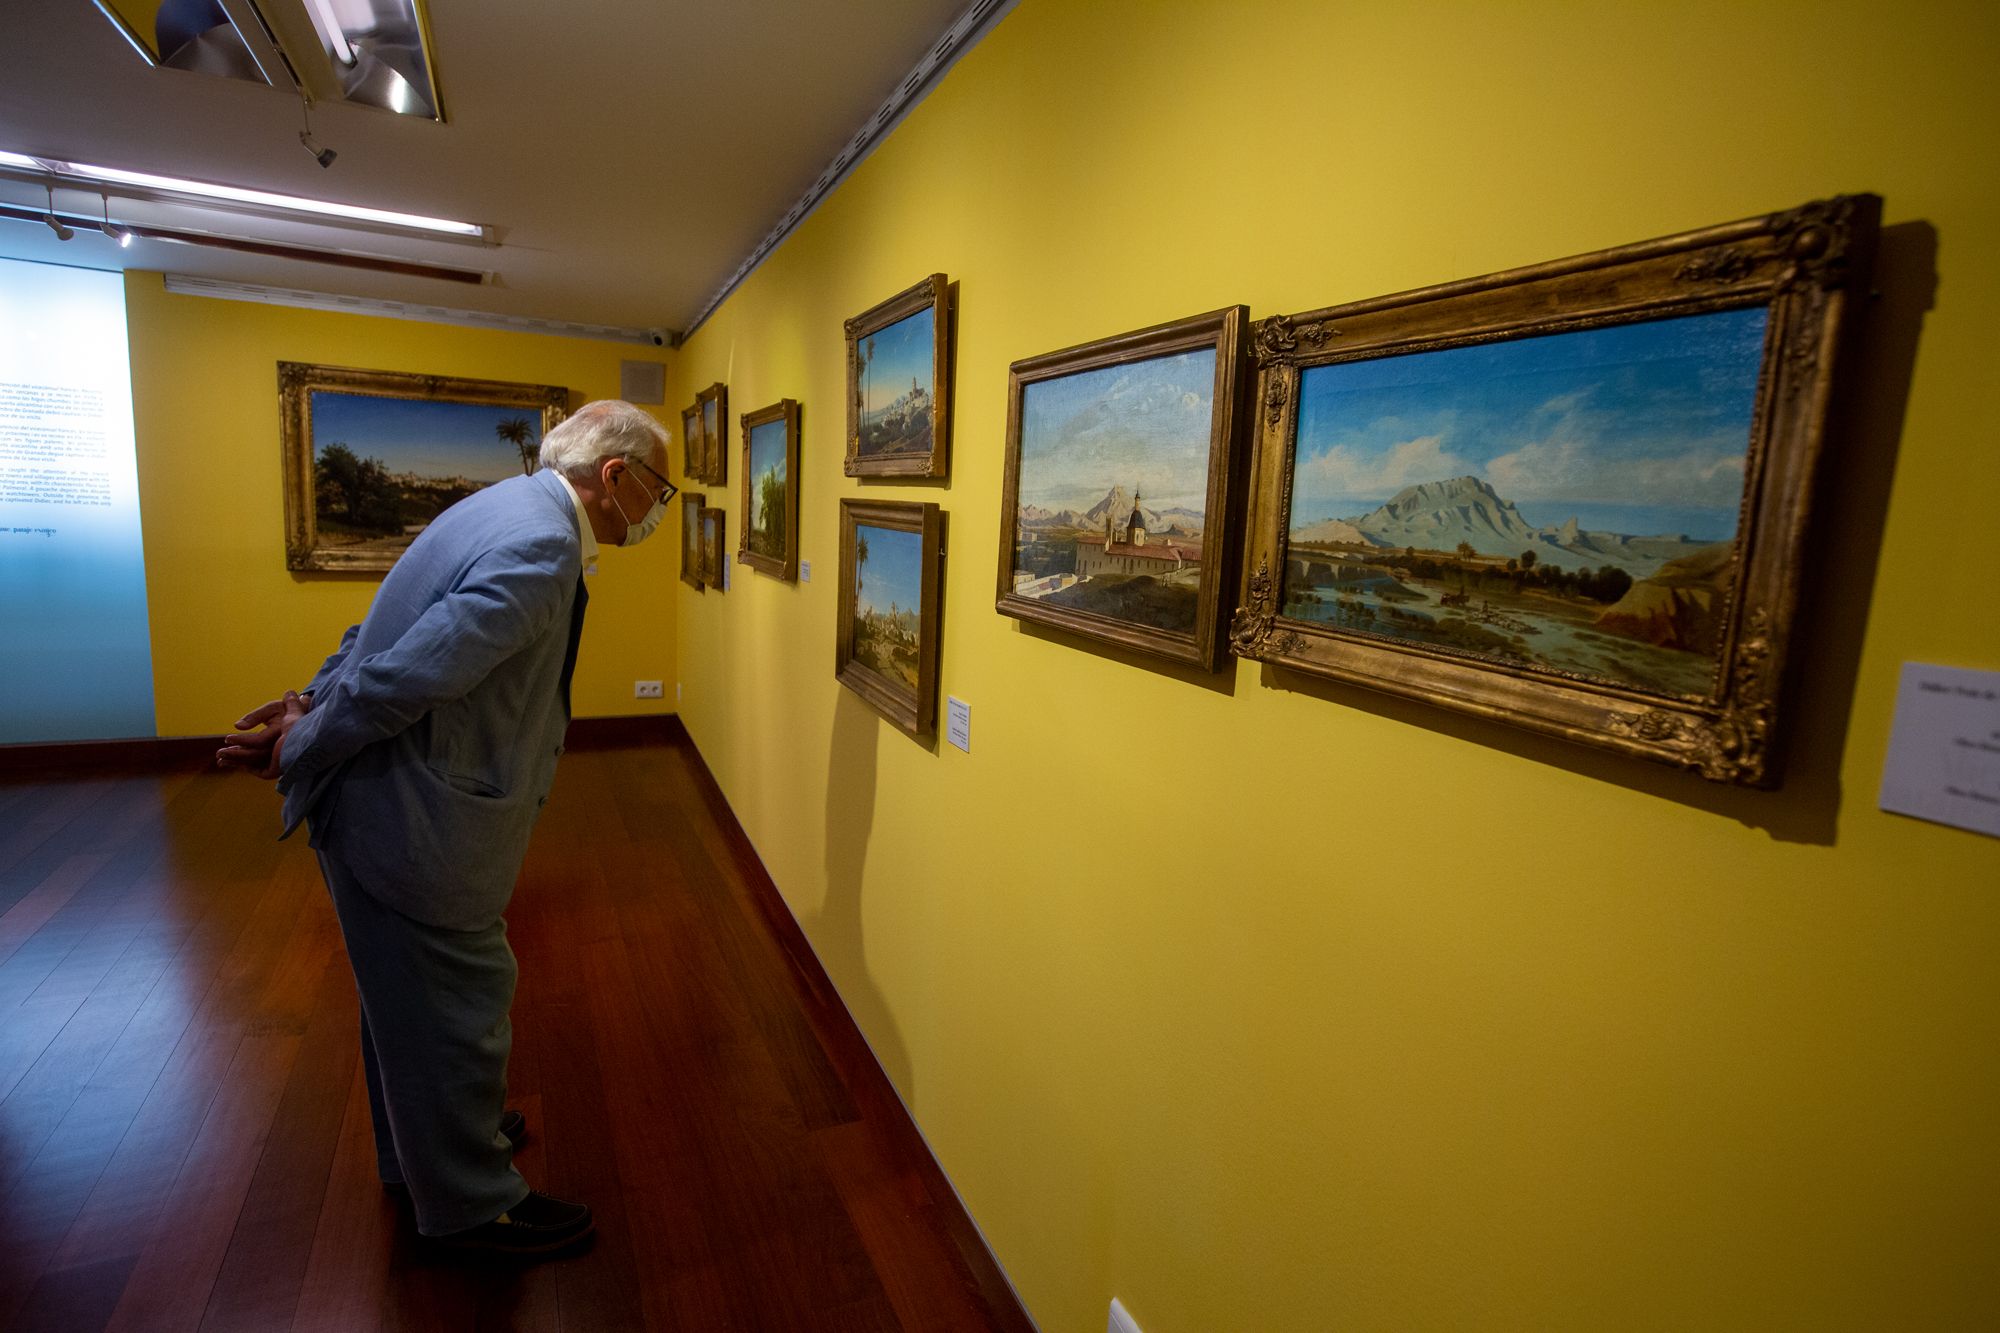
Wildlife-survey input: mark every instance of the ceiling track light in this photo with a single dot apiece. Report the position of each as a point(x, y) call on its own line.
point(122, 235)
point(55, 223)
point(323, 156)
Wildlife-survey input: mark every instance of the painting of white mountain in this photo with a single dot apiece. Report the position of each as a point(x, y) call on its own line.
point(1567, 502)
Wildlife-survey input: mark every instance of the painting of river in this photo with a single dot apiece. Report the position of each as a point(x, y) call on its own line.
point(1567, 502)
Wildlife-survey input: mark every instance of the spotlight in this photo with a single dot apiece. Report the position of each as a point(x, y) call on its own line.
point(323, 156)
point(55, 223)
point(111, 229)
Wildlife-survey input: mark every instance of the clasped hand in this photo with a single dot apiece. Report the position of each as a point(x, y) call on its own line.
point(260, 746)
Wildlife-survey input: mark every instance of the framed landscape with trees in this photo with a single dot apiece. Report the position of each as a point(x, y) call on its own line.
point(1570, 497)
point(769, 538)
point(372, 456)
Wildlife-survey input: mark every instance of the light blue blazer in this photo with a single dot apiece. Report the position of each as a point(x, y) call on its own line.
point(435, 727)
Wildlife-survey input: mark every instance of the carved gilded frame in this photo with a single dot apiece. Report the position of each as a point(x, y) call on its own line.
point(1203, 644)
point(1805, 266)
point(933, 292)
point(786, 565)
point(914, 712)
point(298, 380)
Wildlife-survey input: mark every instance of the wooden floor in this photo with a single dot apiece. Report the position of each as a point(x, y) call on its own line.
point(184, 1132)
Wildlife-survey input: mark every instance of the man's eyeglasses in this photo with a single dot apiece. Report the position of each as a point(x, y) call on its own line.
point(669, 489)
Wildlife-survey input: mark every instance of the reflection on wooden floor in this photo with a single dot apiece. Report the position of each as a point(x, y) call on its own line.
point(184, 1137)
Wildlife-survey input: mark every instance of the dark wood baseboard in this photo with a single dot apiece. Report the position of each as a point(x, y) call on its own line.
point(139, 755)
point(609, 733)
point(153, 754)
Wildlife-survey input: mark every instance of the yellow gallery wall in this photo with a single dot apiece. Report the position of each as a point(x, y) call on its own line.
point(231, 625)
point(1266, 1006)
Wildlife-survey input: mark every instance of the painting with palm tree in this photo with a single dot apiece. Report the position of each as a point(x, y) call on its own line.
point(378, 454)
point(898, 359)
point(890, 556)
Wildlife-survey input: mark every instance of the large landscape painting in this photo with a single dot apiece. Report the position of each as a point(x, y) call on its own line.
point(1114, 467)
point(383, 468)
point(1568, 502)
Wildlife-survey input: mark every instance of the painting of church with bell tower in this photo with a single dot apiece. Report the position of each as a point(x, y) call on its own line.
point(1114, 471)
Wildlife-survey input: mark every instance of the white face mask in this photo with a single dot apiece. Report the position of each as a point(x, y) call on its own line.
point(648, 523)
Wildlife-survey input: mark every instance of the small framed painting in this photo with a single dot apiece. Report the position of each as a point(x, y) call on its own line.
point(1570, 497)
point(714, 404)
point(1122, 479)
point(712, 548)
point(891, 562)
point(692, 503)
point(372, 456)
point(899, 384)
point(769, 538)
point(694, 454)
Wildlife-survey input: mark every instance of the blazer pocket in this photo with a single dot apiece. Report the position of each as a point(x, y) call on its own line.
point(463, 782)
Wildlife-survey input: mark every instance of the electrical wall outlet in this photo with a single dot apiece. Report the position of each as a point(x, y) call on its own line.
point(646, 689)
point(1121, 1319)
point(805, 571)
point(677, 691)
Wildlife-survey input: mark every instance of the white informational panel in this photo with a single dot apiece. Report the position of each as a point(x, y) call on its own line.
point(76, 659)
point(1944, 752)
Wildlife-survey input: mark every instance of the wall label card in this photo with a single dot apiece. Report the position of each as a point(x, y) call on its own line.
point(1944, 752)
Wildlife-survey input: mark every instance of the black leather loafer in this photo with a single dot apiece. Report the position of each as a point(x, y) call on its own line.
point(538, 1226)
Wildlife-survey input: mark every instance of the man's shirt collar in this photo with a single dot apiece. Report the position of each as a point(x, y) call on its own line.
point(588, 537)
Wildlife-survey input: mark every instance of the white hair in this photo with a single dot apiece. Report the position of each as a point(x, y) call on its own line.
point(606, 429)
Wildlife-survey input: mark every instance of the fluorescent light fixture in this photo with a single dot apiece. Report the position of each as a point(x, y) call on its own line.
point(329, 31)
point(231, 194)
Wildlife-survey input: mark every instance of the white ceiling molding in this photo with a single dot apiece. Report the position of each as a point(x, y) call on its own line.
point(960, 37)
point(186, 285)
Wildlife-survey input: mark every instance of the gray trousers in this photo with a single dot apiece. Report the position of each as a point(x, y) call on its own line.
point(434, 1041)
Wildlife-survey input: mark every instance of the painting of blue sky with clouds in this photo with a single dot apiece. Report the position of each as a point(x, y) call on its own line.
point(385, 467)
point(894, 370)
point(1567, 502)
point(1113, 487)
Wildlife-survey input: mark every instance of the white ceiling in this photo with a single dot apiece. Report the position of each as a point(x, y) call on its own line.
point(630, 153)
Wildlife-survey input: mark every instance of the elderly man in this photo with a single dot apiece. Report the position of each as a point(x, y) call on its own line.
point(419, 756)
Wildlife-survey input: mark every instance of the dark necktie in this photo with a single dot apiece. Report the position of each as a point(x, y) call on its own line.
point(575, 637)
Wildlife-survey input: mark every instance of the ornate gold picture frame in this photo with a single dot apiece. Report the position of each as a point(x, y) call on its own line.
point(899, 384)
point(372, 456)
point(1571, 497)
